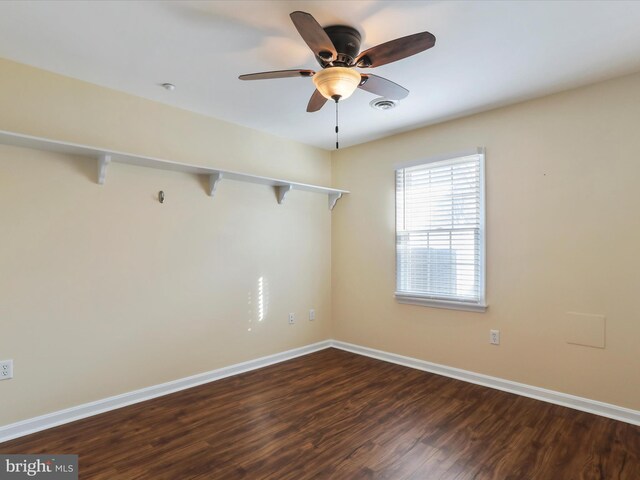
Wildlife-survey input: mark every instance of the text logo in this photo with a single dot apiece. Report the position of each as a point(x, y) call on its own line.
point(49, 467)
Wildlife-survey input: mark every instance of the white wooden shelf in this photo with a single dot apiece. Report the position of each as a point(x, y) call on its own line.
point(105, 157)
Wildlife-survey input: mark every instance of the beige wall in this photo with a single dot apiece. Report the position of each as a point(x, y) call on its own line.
point(562, 235)
point(103, 290)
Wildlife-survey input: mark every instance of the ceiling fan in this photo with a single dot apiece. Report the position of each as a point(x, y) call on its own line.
point(337, 50)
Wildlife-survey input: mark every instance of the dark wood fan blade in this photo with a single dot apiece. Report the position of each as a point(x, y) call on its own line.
point(277, 74)
point(383, 87)
point(316, 102)
point(395, 50)
point(314, 35)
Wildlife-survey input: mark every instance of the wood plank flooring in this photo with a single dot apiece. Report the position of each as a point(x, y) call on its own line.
point(336, 415)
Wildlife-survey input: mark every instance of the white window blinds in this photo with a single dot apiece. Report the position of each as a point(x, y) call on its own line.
point(440, 232)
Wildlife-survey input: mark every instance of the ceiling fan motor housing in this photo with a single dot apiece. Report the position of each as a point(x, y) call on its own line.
point(346, 41)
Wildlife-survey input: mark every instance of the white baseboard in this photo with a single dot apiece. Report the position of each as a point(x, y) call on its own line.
point(43, 422)
point(578, 403)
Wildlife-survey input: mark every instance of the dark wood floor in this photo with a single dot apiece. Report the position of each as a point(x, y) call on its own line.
point(335, 415)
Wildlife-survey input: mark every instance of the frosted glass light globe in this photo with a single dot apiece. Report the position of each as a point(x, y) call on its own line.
point(340, 81)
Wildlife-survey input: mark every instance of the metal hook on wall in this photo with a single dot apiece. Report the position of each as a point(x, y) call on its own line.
point(161, 196)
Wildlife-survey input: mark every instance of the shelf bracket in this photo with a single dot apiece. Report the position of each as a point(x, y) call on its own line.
point(333, 198)
point(282, 191)
point(214, 179)
point(103, 161)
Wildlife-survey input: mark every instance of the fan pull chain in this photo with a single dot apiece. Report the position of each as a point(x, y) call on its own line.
point(337, 129)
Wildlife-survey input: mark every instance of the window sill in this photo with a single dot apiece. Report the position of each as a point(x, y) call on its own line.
point(430, 302)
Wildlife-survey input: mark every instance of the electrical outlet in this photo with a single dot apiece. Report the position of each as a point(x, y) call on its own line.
point(494, 337)
point(6, 369)
point(292, 318)
point(312, 314)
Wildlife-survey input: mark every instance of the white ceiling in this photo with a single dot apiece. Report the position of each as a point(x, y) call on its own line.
point(488, 53)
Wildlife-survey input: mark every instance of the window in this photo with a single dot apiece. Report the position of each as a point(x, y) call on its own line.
point(440, 233)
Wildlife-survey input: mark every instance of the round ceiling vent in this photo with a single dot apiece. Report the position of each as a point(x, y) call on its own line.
point(383, 103)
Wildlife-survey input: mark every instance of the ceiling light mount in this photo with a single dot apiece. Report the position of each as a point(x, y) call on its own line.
point(168, 86)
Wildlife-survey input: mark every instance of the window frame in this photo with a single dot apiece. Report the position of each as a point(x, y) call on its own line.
point(413, 299)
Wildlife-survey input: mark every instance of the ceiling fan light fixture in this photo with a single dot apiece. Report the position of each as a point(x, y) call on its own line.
point(336, 81)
